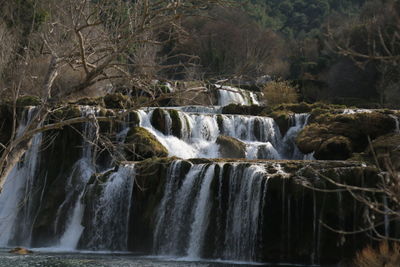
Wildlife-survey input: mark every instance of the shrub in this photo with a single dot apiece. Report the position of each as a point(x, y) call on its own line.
point(385, 255)
point(279, 92)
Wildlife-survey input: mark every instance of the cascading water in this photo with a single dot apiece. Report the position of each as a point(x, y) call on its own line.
point(232, 95)
point(109, 205)
point(83, 169)
point(184, 218)
point(199, 133)
point(16, 200)
point(290, 150)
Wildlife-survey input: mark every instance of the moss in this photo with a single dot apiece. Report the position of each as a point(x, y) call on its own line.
point(141, 144)
point(134, 119)
point(350, 130)
point(387, 151)
point(28, 100)
point(282, 119)
point(117, 101)
point(334, 148)
point(158, 120)
point(311, 137)
point(67, 112)
point(220, 122)
point(176, 127)
point(253, 110)
point(99, 101)
point(230, 147)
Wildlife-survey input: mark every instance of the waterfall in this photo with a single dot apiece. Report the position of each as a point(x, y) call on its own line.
point(109, 210)
point(82, 171)
point(231, 95)
point(16, 199)
point(199, 133)
point(290, 150)
point(397, 121)
point(184, 217)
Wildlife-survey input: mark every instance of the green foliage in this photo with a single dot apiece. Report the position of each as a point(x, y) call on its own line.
point(297, 18)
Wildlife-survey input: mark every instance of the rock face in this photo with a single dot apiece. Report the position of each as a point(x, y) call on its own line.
point(230, 147)
point(82, 194)
point(337, 136)
point(387, 151)
point(141, 144)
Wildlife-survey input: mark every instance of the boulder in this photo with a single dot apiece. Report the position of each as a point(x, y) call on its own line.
point(158, 120)
point(21, 251)
point(230, 147)
point(117, 100)
point(335, 148)
point(335, 136)
point(141, 144)
point(387, 151)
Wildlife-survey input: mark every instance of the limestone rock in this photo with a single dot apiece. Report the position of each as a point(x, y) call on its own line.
point(21, 251)
point(230, 147)
point(141, 144)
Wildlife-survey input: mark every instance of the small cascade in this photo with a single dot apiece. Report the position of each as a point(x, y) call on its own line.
point(198, 134)
point(232, 95)
point(108, 209)
point(397, 121)
point(83, 169)
point(188, 216)
point(290, 150)
point(17, 201)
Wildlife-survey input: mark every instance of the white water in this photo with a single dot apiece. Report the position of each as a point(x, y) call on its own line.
point(397, 121)
point(82, 171)
point(201, 215)
point(108, 229)
point(18, 184)
point(232, 95)
point(199, 133)
point(184, 214)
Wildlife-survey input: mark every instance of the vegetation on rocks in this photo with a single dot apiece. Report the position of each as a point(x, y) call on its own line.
point(141, 144)
point(230, 147)
point(337, 136)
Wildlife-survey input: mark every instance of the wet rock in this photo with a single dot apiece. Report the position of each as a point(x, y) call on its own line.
point(176, 124)
point(141, 144)
point(253, 110)
point(337, 136)
point(21, 251)
point(335, 148)
point(158, 120)
point(118, 101)
point(283, 118)
point(230, 147)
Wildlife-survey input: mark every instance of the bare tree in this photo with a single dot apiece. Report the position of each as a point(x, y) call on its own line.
point(99, 44)
point(374, 37)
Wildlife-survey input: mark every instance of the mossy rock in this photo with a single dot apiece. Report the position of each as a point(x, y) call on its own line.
point(99, 101)
point(350, 133)
point(25, 101)
point(230, 147)
point(253, 110)
point(176, 126)
point(158, 120)
point(311, 137)
point(387, 151)
point(118, 101)
point(296, 108)
point(282, 119)
point(67, 112)
point(335, 148)
point(141, 144)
